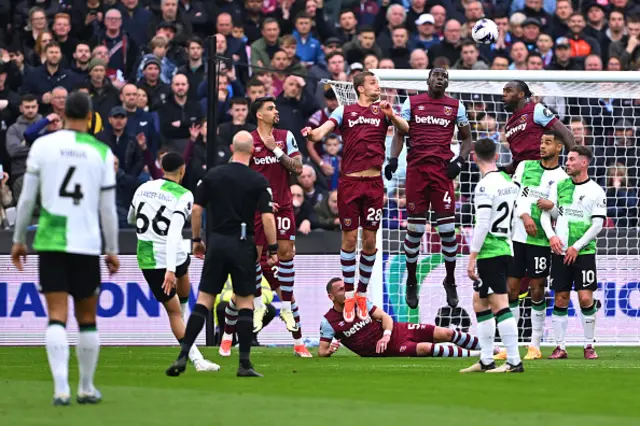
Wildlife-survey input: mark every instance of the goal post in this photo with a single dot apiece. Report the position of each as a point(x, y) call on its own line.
point(602, 109)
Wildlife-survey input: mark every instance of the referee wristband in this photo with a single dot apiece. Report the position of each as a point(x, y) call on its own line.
point(387, 333)
point(273, 248)
point(278, 152)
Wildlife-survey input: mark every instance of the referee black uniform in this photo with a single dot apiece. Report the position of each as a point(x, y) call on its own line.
point(231, 194)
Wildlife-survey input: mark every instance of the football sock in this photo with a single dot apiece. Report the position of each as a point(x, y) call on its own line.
point(257, 294)
point(230, 319)
point(194, 326)
point(416, 227)
point(184, 302)
point(514, 305)
point(87, 352)
point(286, 277)
point(450, 351)
point(560, 319)
point(366, 267)
point(297, 335)
point(348, 264)
point(509, 335)
point(589, 324)
point(537, 322)
point(448, 244)
point(245, 335)
point(58, 355)
point(486, 335)
point(465, 340)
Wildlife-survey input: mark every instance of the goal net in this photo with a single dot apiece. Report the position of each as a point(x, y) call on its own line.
point(602, 111)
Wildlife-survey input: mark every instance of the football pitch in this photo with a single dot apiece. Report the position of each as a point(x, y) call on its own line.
point(343, 390)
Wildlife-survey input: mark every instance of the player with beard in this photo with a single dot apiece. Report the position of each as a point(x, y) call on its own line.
point(580, 215)
point(531, 252)
point(524, 131)
point(363, 126)
point(527, 123)
point(430, 119)
point(276, 156)
point(378, 335)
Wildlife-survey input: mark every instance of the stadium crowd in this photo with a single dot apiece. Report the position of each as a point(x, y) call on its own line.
point(144, 64)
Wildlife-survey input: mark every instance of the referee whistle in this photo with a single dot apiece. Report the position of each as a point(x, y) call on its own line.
point(243, 231)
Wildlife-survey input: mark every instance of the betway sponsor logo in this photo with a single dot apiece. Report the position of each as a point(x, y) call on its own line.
point(265, 160)
point(357, 327)
point(364, 120)
point(516, 129)
point(429, 119)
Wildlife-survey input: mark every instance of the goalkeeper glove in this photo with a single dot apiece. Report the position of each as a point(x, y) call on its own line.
point(454, 168)
point(391, 168)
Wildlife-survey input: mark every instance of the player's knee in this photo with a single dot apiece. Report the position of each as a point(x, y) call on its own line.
point(442, 334)
point(447, 231)
point(424, 349)
point(537, 292)
point(513, 288)
point(585, 298)
point(349, 240)
point(369, 244)
point(561, 299)
point(285, 252)
point(417, 225)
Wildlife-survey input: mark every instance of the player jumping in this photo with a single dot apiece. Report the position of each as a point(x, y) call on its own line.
point(581, 212)
point(276, 156)
point(73, 176)
point(364, 126)
point(523, 131)
point(531, 252)
point(231, 313)
point(494, 201)
point(378, 335)
point(429, 119)
point(160, 209)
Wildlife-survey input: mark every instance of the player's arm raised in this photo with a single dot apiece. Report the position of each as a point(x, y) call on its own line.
point(398, 122)
point(265, 206)
point(291, 161)
point(319, 133)
point(464, 134)
point(566, 135)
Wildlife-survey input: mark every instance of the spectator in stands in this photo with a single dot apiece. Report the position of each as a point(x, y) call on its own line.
point(515, 25)
point(176, 52)
point(95, 122)
point(6, 201)
point(139, 122)
point(159, 46)
point(596, 15)
point(224, 27)
point(169, 14)
point(124, 145)
point(544, 46)
point(473, 11)
point(123, 51)
point(348, 30)
point(86, 18)
point(195, 70)
point(532, 9)
point(327, 212)
point(104, 96)
point(142, 100)
point(252, 18)
point(21, 68)
point(135, 21)
point(307, 47)
point(195, 155)
point(9, 104)
point(356, 50)
point(395, 212)
point(62, 34)
point(426, 37)
point(622, 200)
point(628, 47)
point(581, 44)
point(614, 64)
point(126, 185)
point(177, 114)
point(264, 48)
point(307, 181)
point(239, 114)
point(500, 63)
point(418, 60)
point(450, 45)
point(530, 32)
point(157, 91)
point(624, 149)
point(16, 146)
point(43, 79)
point(439, 14)
point(415, 9)
point(295, 107)
point(558, 22)
point(279, 62)
point(194, 12)
point(399, 52)
point(316, 120)
point(519, 54)
point(305, 214)
point(394, 17)
point(81, 58)
point(593, 63)
point(470, 57)
point(562, 60)
point(255, 90)
point(331, 160)
point(37, 57)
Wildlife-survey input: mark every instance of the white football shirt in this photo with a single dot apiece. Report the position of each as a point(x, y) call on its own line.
point(72, 169)
point(155, 203)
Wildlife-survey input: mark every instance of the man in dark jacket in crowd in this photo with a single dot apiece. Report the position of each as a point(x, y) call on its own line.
point(295, 107)
point(178, 114)
point(123, 145)
point(138, 120)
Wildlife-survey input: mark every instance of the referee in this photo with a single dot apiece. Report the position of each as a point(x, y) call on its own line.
point(232, 193)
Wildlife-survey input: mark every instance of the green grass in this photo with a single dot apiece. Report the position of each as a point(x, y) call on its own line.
point(344, 390)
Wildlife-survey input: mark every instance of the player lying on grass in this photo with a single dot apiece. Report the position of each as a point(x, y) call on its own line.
point(378, 335)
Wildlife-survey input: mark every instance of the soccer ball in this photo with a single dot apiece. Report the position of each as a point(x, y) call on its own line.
point(485, 31)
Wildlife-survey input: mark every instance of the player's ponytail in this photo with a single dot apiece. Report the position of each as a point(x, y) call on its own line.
point(525, 88)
